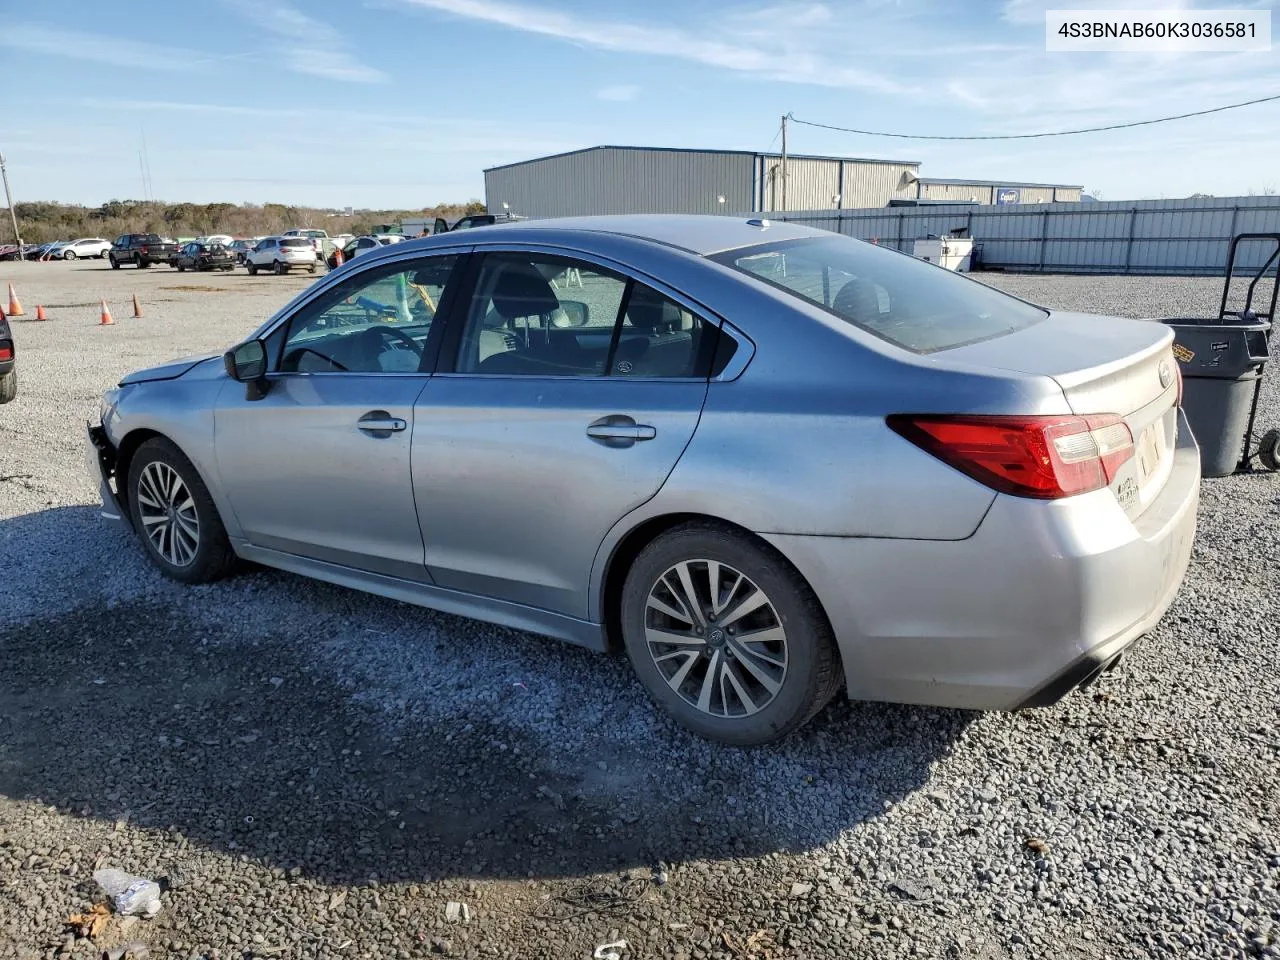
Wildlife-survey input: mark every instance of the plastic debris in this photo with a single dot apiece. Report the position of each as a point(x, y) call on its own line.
point(131, 895)
point(610, 951)
point(455, 912)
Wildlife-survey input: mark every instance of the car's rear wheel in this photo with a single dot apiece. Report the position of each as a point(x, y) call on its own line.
point(175, 517)
point(68, 254)
point(280, 267)
point(181, 268)
point(727, 636)
point(8, 386)
point(102, 255)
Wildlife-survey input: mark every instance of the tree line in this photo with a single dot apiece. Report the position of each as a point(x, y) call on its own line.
point(43, 221)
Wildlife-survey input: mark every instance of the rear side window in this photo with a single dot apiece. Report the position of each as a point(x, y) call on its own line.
point(915, 305)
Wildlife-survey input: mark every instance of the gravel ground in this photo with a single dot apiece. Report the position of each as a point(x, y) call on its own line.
point(318, 773)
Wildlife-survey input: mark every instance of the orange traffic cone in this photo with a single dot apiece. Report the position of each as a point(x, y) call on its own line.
point(337, 258)
point(106, 315)
point(40, 312)
point(1, 313)
point(15, 308)
point(137, 307)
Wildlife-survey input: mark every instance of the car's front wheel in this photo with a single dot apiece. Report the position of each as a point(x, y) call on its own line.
point(115, 264)
point(175, 516)
point(68, 255)
point(281, 268)
point(252, 268)
point(727, 636)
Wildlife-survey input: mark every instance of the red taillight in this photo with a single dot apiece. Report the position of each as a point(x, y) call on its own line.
point(6, 351)
point(1044, 457)
point(145, 248)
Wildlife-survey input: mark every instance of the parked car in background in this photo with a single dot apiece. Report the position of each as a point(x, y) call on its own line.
point(83, 249)
point(317, 238)
point(204, 255)
point(242, 246)
point(8, 363)
point(141, 250)
point(766, 460)
point(485, 220)
point(281, 254)
point(356, 247)
point(10, 251)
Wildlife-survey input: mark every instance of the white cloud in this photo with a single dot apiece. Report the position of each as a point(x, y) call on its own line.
point(769, 48)
point(620, 93)
point(93, 48)
point(1032, 11)
point(306, 45)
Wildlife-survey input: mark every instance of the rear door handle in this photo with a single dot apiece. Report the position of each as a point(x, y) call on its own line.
point(619, 430)
point(380, 422)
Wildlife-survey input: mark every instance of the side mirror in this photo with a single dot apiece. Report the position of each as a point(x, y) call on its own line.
point(572, 313)
point(247, 364)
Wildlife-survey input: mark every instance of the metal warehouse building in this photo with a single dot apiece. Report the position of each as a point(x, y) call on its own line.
point(613, 179)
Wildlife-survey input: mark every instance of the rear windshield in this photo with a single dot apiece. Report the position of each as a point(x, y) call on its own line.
point(295, 242)
point(152, 238)
point(918, 306)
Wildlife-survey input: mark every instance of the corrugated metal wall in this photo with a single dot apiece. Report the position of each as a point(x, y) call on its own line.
point(985, 193)
point(814, 182)
point(1144, 236)
point(624, 181)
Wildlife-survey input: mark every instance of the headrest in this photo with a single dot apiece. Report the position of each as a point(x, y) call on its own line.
point(646, 309)
point(858, 300)
point(521, 291)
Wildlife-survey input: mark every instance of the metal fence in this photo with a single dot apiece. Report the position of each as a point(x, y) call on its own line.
point(1141, 237)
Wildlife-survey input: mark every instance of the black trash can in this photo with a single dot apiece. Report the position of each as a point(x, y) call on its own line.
point(1221, 361)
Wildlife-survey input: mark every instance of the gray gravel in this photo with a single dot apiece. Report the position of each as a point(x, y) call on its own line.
point(319, 773)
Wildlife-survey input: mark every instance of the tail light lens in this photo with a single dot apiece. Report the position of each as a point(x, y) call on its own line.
point(6, 351)
point(1045, 457)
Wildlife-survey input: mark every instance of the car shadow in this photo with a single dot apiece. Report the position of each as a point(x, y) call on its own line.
point(351, 737)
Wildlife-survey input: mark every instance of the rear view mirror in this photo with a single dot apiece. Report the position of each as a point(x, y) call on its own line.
point(572, 313)
point(247, 363)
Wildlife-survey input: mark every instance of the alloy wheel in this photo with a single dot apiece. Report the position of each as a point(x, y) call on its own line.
point(168, 514)
point(716, 638)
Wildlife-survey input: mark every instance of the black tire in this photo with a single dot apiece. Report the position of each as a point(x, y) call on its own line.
point(181, 268)
point(213, 558)
point(115, 264)
point(252, 267)
point(812, 674)
point(69, 255)
point(102, 255)
point(8, 386)
point(280, 268)
point(311, 269)
point(1269, 450)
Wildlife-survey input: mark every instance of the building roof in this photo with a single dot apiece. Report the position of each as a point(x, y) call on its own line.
point(741, 153)
point(998, 183)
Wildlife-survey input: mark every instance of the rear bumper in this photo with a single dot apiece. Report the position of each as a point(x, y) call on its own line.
point(1034, 603)
point(101, 457)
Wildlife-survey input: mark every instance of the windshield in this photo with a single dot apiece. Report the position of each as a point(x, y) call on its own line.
point(910, 303)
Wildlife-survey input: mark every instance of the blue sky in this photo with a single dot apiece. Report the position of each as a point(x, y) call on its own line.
point(403, 103)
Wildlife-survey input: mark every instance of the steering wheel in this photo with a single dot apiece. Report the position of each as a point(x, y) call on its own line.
point(395, 334)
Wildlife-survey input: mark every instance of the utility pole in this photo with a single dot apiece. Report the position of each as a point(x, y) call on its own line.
point(8, 198)
point(784, 163)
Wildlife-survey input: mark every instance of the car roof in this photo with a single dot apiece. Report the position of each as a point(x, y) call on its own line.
point(703, 235)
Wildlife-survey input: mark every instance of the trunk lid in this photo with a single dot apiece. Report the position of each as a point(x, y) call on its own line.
point(1104, 365)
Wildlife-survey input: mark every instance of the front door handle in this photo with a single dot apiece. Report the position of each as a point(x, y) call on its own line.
point(379, 423)
point(619, 430)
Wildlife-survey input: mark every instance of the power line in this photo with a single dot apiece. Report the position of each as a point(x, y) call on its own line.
point(1036, 136)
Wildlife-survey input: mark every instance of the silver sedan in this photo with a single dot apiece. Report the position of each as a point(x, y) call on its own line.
point(766, 461)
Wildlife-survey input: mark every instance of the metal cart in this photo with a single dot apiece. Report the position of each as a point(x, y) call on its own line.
point(1222, 361)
